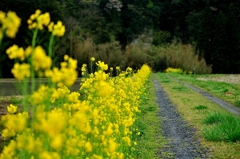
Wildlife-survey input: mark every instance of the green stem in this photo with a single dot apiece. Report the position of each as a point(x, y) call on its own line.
point(31, 62)
point(50, 47)
point(50, 53)
point(91, 66)
point(1, 52)
point(25, 93)
point(3, 31)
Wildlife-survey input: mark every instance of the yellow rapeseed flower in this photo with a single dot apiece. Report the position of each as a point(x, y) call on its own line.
point(21, 71)
point(43, 20)
point(50, 27)
point(16, 52)
point(9, 150)
point(92, 59)
point(57, 142)
point(109, 130)
point(112, 146)
point(12, 109)
point(2, 16)
point(10, 23)
point(38, 20)
point(72, 63)
point(28, 51)
point(73, 97)
point(40, 59)
point(57, 29)
point(45, 124)
point(88, 147)
point(14, 123)
point(66, 57)
point(49, 155)
point(102, 65)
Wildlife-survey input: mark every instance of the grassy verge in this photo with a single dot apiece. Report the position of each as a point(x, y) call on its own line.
point(150, 141)
point(229, 92)
point(195, 109)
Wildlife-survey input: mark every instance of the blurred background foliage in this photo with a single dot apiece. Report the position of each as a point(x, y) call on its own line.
point(202, 35)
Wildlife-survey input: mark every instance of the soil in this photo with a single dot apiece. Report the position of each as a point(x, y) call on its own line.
point(182, 142)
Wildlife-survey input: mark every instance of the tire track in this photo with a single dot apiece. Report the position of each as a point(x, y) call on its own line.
point(180, 136)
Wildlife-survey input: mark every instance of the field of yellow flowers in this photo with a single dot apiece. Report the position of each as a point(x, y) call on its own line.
point(95, 122)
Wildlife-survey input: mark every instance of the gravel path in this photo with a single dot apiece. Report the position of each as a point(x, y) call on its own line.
point(180, 137)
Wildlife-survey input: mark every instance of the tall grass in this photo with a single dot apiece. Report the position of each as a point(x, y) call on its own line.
point(110, 53)
point(182, 56)
point(222, 127)
point(176, 55)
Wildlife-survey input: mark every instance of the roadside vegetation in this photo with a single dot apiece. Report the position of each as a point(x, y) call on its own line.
point(151, 141)
point(109, 117)
point(217, 129)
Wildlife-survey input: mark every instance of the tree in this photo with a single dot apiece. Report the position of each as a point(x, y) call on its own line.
point(233, 34)
point(220, 52)
point(205, 35)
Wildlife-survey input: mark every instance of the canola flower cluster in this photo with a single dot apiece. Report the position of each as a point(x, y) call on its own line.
point(178, 71)
point(35, 57)
point(38, 20)
point(9, 23)
point(95, 123)
point(174, 70)
point(66, 125)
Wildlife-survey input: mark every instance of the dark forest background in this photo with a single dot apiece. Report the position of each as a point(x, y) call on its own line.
point(161, 33)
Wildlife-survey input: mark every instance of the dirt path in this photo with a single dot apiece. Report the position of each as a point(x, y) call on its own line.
point(180, 136)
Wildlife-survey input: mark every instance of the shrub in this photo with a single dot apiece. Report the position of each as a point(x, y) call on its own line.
point(182, 56)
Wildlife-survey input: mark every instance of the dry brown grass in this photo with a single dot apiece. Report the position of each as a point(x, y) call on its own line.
point(235, 79)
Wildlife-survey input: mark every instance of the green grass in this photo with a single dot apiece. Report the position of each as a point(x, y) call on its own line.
point(150, 140)
point(179, 88)
point(214, 118)
point(222, 127)
point(200, 107)
point(215, 127)
point(227, 91)
point(237, 103)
